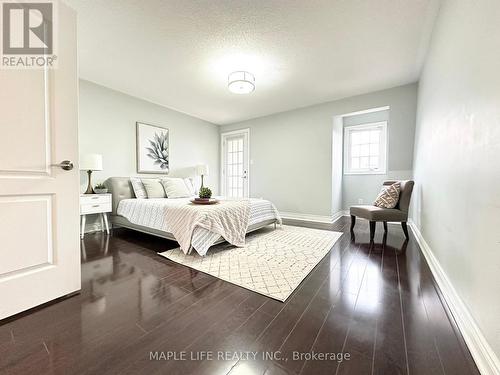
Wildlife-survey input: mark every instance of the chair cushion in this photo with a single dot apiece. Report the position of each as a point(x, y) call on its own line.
point(388, 196)
point(404, 195)
point(374, 213)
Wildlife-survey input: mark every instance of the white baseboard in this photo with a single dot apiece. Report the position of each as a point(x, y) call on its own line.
point(486, 360)
point(312, 218)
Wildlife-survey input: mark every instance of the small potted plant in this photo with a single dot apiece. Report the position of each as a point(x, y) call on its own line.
point(100, 188)
point(205, 194)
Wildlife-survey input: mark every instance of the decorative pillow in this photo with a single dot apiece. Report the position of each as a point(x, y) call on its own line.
point(388, 196)
point(138, 187)
point(154, 188)
point(190, 186)
point(175, 188)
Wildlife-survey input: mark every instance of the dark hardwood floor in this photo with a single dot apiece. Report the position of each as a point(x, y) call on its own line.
point(377, 305)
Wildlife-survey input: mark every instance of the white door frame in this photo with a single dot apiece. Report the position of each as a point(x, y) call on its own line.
point(223, 136)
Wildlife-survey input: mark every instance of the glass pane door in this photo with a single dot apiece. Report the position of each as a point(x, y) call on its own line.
point(235, 167)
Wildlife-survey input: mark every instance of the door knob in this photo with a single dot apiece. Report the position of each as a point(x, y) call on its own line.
point(65, 164)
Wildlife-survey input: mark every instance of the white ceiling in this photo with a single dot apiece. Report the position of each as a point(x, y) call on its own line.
point(178, 53)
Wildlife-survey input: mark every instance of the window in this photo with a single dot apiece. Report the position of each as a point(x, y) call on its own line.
point(365, 148)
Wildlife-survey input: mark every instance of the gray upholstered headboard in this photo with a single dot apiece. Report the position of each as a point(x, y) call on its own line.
point(120, 188)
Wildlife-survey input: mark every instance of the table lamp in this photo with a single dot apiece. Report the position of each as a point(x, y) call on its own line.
point(202, 170)
point(89, 163)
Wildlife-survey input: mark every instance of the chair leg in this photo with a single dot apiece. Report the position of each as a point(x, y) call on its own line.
point(385, 226)
point(372, 230)
point(353, 222)
point(405, 229)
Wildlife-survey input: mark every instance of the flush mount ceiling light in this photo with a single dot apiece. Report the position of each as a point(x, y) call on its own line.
point(241, 82)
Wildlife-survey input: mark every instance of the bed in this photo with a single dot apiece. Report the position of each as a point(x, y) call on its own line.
point(149, 215)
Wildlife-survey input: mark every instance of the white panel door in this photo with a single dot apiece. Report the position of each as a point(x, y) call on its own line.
point(235, 160)
point(39, 209)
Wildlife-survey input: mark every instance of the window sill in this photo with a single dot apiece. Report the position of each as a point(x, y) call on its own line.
point(366, 172)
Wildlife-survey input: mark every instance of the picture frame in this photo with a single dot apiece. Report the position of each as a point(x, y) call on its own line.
point(153, 148)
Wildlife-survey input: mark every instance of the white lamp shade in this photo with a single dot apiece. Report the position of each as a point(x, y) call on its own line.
point(202, 169)
point(91, 162)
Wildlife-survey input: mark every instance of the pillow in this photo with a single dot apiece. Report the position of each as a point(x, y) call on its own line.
point(388, 196)
point(154, 188)
point(190, 186)
point(175, 188)
point(138, 187)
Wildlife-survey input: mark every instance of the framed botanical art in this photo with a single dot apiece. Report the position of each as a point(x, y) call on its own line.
point(152, 149)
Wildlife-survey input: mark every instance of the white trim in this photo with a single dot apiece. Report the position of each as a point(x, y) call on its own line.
point(246, 132)
point(382, 148)
point(365, 111)
point(365, 172)
point(238, 131)
point(312, 218)
point(486, 360)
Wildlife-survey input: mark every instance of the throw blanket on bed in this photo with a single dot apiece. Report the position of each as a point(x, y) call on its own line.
point(152, 214)
point(227, 218)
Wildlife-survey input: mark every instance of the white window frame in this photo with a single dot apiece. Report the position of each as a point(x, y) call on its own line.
point(383, 148)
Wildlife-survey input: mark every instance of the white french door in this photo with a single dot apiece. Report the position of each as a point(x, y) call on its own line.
point(235, 163)
point(39, 209)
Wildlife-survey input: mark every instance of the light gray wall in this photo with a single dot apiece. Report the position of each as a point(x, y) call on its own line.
point(457, 148)
point(292, 151)
point(107, 126)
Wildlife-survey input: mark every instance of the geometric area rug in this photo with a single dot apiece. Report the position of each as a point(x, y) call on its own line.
point(273, 262)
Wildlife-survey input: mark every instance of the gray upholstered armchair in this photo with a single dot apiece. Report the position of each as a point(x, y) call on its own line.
point(398, 213)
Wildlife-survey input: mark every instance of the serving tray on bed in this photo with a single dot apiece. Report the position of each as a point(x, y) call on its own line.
point(204, 201)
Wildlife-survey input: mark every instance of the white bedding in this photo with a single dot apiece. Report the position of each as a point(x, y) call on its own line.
point(151, 213)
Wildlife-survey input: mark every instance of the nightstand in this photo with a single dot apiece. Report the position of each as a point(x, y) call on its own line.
point(95, 204)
